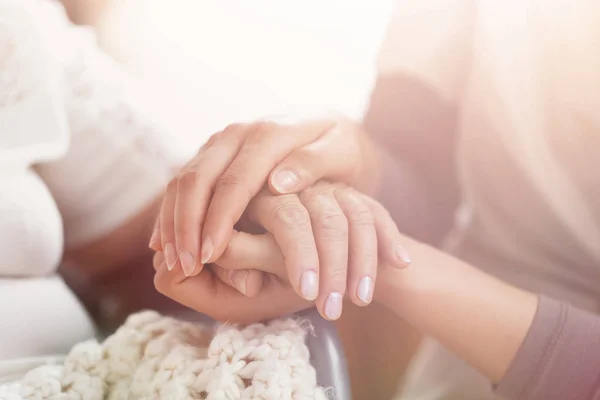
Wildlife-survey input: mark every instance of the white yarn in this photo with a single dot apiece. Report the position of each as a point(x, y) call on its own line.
point(155, 357)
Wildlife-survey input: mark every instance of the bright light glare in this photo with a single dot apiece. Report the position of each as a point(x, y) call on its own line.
point(215, 62)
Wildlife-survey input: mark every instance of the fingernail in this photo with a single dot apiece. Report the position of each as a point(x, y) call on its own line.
point(238, 278)
point(365, 289)
point(207, 251)
point(188, 263)
point(333, 306)
point(402, 256)
point(159, 258)
point(153, 240)
point(309, 286)
point(170, 256)
point(285, 181)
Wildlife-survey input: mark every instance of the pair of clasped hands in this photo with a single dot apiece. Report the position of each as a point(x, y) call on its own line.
point(271, 218)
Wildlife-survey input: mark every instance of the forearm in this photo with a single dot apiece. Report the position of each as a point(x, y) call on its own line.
point(481, 319)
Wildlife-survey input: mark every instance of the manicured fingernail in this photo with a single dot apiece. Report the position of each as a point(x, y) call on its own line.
point(238, 278)
point(365, 289)
point(333, 306)
point(170, 256)
point(309, 287)
point(402, 256)
point(285, 181)
point(188, 263)
point(207, 251)
point(153, 243)
point(159, 258)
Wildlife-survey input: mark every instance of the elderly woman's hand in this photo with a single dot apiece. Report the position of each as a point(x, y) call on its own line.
point(354, 228)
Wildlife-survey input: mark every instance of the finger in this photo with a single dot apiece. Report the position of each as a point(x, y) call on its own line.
point(330, 229)
point(206, 293)
point(255, 252)
point(265, 146)
point(388, 237)
point(167, 233)
point(248, 282)
point(194, 190)
point(158, 260)
point(289, 222)
point(155, 240)
point(322, 158)
point(362, 244)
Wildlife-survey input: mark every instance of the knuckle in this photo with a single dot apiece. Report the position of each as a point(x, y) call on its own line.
point(334, 225)
point(188, 179)
point(172, 185)
point(290, 214)
point(232, 177)
point(360, 216)
point(337, 275)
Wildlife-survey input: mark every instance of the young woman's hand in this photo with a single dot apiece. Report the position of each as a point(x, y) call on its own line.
point(210, 194)
point(323, 244)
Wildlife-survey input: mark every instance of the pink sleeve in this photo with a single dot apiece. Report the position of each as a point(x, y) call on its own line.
point(559, 359)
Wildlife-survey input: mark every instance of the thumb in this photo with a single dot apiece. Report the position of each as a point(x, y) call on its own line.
point(326, 158)
point(247, 281)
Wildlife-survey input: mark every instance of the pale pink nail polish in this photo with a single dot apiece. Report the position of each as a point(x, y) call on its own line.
point(170, 256)
point(309, 285)
point(402, 256)
point(207, 251)
point(188, 263)
point(365, 290)
point(238, 278)
point(333, 306)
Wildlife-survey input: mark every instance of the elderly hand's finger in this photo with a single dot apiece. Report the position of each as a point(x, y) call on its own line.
point(330, 229)
point(389, 238)
point(288, 221)
point(363, 246)
point(266, 145)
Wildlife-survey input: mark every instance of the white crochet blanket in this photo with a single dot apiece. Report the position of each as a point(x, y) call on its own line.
point(154, 357)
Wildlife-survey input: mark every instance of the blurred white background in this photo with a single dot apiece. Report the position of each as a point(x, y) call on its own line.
point(210, 63)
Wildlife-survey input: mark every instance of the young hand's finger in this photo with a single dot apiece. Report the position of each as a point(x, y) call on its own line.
point(195, 186)
point(155, 241)
point(167, 226)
